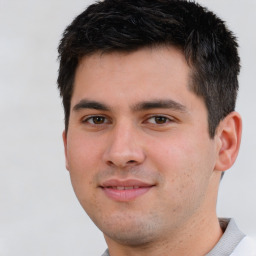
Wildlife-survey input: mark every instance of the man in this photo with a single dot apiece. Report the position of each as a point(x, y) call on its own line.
point(149, 91)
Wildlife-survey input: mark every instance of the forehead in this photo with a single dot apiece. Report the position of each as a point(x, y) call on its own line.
point(154, 55)
point(143, 74)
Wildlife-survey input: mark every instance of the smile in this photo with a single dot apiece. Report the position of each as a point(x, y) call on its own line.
point(124, 191)
point(125, 188)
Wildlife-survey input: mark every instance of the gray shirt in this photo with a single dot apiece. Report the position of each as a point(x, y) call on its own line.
point(228, 242)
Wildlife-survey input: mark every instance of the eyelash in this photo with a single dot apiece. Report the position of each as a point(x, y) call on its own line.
point(163, 118)
point(92, 120)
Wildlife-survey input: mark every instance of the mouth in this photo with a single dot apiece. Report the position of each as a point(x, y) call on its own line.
point(124, 188)
point(124, 191)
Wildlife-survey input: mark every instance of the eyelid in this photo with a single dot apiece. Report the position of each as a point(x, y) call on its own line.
point(107, 120)
point(86, 119)
point(169, 119)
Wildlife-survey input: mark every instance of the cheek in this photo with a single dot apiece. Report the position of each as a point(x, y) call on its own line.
point(83, 159)
point(82, 154)
point(84, 163)
point(173, 156)
point(183, 162)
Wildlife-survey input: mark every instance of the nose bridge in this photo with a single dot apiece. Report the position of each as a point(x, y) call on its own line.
point(123, 147)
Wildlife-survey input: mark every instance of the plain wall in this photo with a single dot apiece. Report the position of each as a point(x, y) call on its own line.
point(39, 214)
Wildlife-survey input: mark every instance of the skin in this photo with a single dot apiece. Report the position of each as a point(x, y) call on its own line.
point(134, 117)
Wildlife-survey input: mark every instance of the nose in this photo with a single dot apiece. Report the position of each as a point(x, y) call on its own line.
point(124, 148)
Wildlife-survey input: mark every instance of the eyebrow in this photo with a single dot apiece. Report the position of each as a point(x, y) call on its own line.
point(164, 104)
point(141, 106)
point(89, 104)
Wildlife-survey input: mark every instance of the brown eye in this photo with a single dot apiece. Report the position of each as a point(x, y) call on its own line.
point(160, 119)
point(98, 120)
point(95, 120)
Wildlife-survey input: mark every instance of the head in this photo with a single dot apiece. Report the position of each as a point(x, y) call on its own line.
point(125, 26)
point(149, 89)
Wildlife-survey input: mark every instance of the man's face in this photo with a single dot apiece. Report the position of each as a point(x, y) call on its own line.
point(138, 148)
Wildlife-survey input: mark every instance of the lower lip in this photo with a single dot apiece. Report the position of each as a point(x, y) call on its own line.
point(125, 195)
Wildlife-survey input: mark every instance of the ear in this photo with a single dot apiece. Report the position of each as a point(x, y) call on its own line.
point(64, 137)
point(229, 136)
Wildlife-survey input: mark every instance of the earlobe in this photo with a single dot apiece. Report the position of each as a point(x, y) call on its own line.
point(229, 135)
point(64, 137)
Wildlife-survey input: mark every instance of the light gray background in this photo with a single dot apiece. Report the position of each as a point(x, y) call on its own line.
point(39, 214)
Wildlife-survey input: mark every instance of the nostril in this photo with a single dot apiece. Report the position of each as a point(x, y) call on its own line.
point(110, 163)
point(131, 162)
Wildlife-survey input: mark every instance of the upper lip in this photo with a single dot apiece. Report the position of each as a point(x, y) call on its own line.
point(125, 183)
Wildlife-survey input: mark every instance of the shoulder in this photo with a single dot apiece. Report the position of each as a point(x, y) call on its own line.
point(106, 253)
point(247, 247)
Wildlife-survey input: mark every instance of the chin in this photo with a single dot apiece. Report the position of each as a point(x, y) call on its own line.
point(134, 238)
point(133, 233)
